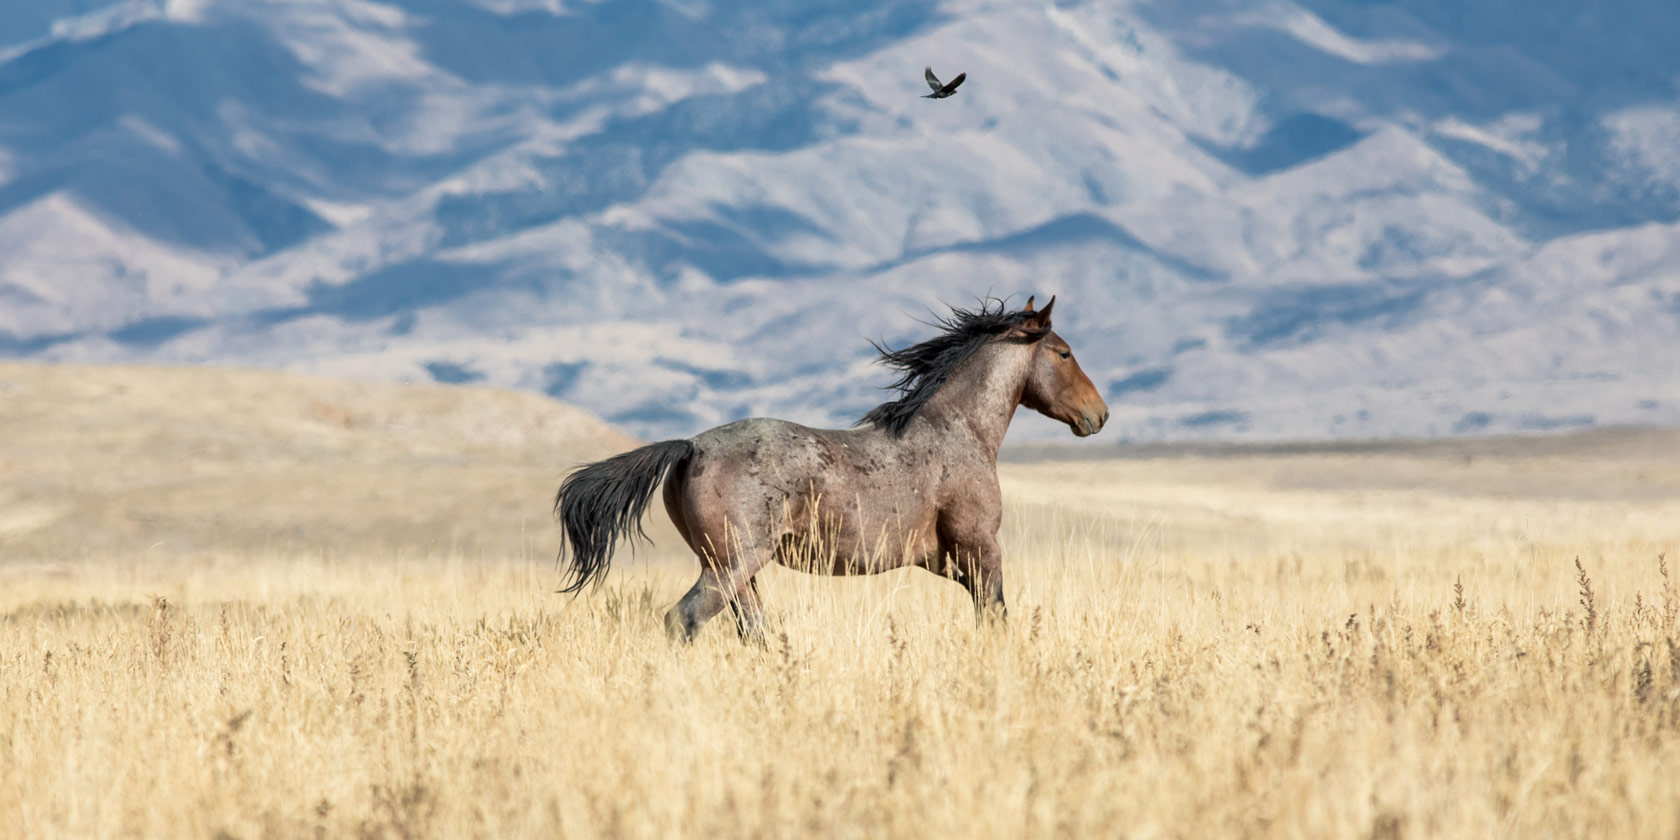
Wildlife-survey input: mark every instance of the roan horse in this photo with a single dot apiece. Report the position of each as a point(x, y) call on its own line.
point(915, 483)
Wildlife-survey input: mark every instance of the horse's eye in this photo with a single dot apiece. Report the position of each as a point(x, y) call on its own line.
point(1066, 354)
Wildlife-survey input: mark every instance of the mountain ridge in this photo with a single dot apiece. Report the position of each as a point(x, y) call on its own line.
point(1266, 221)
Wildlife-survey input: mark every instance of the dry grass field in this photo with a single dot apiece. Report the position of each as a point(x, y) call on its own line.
point(251, 605)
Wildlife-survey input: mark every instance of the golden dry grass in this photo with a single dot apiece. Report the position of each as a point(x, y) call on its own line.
point(1312, 645)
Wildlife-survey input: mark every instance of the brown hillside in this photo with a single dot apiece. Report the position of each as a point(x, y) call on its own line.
point(186, 459)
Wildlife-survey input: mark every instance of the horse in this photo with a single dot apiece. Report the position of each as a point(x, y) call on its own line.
point(913, 483)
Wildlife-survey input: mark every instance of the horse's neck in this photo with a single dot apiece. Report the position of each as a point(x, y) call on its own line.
point(980, 397)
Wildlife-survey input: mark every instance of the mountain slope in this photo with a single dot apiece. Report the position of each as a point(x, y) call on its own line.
point(193, 459)
point(1306, 219)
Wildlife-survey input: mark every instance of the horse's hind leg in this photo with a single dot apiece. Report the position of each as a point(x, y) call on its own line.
point(706, 598)
point(725, 581)
point(710, 594)
point(726, 567)
point(749, 613)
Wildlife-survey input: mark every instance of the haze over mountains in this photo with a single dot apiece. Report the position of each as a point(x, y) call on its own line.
point(1327, 218)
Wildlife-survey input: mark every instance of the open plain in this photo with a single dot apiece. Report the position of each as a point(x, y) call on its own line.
point(244, 605)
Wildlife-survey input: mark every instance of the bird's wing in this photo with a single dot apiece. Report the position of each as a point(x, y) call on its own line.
point(932, 80)
point(952, 87)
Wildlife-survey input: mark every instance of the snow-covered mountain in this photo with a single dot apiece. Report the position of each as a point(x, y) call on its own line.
point(1263, 219)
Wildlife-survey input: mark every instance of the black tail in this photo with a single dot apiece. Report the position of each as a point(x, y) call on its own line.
point(603, 501)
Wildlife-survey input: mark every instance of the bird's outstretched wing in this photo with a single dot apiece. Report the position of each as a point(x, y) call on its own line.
point(932, 80)
point(952, 86)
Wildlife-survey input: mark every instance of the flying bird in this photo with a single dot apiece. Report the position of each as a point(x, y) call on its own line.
point(940, 91)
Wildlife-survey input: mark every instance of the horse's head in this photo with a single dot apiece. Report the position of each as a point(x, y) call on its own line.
point(1056, 387)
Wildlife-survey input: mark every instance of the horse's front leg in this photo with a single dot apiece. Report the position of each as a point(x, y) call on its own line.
point(978, 566)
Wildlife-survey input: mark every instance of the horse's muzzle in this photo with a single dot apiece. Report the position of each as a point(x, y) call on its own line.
point(1090, 424)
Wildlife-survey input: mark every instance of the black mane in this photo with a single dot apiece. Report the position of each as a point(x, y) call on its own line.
point(924, 367)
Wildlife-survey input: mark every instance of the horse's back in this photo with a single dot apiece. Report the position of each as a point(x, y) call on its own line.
point(776, 478)
point(767, 446)
point(752, 433)
point(752, 473)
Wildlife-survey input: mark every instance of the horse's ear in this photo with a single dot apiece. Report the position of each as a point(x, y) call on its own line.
point(1041, 318)
point(1036, 324)
point(1028, 307)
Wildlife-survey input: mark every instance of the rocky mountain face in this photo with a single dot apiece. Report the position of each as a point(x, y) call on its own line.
point(1264, 220)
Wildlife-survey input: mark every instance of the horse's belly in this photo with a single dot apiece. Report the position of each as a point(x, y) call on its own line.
point(844, 548)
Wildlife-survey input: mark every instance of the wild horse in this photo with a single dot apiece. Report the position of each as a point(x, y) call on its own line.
point(915, 483)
